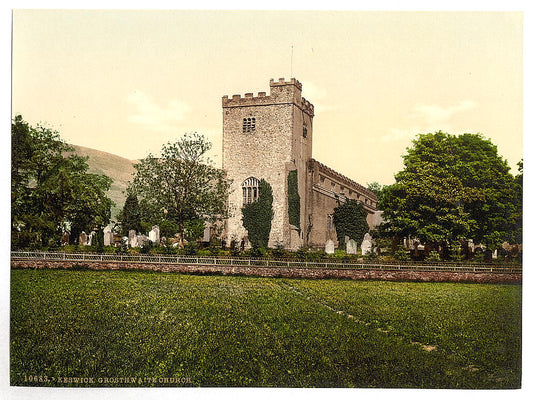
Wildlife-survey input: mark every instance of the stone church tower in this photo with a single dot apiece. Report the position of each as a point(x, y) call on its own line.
point(270, 137)
point(266, 137)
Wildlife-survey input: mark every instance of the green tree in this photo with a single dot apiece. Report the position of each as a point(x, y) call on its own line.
point(350, 220)
point(182, 185)
point(452, 187)
point(257, 216)
point(51, 187)
point(130, 216)
point(375, 188)
point(518, 201)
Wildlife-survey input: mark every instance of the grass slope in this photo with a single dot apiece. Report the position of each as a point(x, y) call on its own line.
point(247, 331)
point(117, 168)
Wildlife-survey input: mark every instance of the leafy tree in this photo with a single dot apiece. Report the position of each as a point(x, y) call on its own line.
point(452, 187)
point(257, 216)
point(182, 185)
point(518, 201)
point(51, 187)
point(375, 188)
point(350, 220)
point(130, 217)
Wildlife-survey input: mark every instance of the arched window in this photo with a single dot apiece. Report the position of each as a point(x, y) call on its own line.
point(250, 190)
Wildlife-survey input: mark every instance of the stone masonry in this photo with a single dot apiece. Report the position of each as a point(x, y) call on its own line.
point(286, 272)
point(266, 137)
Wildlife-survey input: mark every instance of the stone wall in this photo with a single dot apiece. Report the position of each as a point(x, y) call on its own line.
point(308, 273)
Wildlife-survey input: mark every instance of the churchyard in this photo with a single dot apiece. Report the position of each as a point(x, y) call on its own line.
point(143, 328)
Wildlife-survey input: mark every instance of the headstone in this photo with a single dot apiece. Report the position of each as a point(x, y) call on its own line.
point(82, 239)
point(366, 247)
point(65, 239)
point(131, 234)
point(153, 235)
point(351, 247)
point(330, 247)
point(125, 240)
point(141, 240)
point(108, 236)
point(109, 239)
point(207, 234)
point(90, 239)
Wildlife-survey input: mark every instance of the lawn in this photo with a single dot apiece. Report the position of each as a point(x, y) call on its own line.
point(132, 328)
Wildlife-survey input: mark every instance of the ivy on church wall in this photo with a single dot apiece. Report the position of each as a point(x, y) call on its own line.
point(294, 199)
point(257, 216)
point(350, 220)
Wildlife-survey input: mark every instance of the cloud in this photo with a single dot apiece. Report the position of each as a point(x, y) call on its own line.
point(152, 116)
point(437, 114)
point(428, 118)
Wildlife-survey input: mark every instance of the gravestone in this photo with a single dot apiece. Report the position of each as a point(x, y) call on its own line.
point(132, 233)
point(351, 247)
point(366, 245)
point(153, 235)
point(90, 239)
point(207, 234)
point(141, 240)
point(82, 240)
point(65, 239)
point(108, 236)
point(330, 247)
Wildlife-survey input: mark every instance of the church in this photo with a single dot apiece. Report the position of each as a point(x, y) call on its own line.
point(270, 137)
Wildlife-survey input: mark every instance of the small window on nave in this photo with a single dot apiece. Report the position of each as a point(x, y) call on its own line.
point(250, 190)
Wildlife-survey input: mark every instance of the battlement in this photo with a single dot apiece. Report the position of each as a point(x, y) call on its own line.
point(282, 82)
point(279, 94)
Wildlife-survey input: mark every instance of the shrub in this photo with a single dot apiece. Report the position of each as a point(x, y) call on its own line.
point(257, 216)
point(350, 220)
point(401, 255)
point(433, 256)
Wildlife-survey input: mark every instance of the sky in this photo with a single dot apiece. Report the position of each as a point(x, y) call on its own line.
point(127, 82)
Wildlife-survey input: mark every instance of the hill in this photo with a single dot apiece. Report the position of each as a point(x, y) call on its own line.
point(118, 168)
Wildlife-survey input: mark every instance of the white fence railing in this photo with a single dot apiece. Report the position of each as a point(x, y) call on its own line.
point(264, 262)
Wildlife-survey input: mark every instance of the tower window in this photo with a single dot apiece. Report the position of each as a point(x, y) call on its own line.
point(248, 125)
point(304, 133)
point(250, 190)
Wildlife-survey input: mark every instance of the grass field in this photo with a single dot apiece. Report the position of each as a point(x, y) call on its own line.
point(247, 331)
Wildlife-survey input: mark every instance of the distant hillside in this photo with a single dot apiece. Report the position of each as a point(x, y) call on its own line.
point(117, 168)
